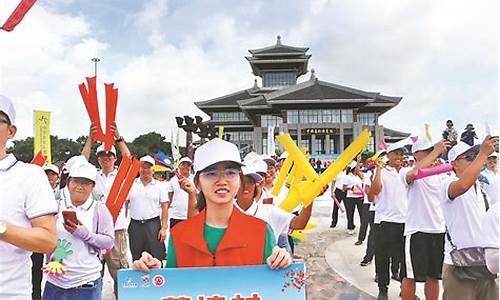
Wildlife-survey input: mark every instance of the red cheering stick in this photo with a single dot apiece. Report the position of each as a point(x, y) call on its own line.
point(127, 171)
point(127, 184)
point(337, 203)
point(39, 159)
point(117, 184)
point(90, 100)
point(111, 102)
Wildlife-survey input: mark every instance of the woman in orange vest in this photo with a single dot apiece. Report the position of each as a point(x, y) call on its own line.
point(220, 235)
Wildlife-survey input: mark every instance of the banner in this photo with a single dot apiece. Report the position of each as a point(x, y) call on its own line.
point(214, 283)
point(270, 141)
point(18, 14)
point(41, 120)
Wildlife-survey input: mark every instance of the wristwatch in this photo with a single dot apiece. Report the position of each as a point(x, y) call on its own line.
point(3, 228)
point(120, 139)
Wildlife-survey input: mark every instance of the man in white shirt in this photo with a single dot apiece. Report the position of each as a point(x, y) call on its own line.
point(147, 199)
point(117, 258)
point(464, 209)
point(27, 213)
point(424, 227)
point(178, 198)
point(391, 205)
point(490, 173)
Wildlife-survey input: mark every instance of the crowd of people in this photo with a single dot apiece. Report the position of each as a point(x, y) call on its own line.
point(421, 228)
point(218, 210)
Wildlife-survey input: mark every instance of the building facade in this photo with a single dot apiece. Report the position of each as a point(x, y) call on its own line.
point(322, 116)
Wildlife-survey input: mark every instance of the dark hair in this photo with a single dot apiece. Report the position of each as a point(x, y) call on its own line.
point(9, 122)
point(449, 121)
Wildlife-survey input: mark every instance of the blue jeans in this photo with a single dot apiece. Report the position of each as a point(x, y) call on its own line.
point(53, 292)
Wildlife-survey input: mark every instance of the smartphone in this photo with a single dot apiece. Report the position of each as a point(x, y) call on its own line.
point(70, 215)
point(267, 200)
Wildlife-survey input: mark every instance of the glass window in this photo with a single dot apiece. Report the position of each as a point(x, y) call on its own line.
point(318, 143)
point(270, 120)
point(347, 116)
point(292, 116)
point(229, 116)
point(278, 79)
point(367, 119)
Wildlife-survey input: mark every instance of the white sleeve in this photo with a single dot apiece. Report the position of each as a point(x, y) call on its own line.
point(445, 185)
point(169, 186)
point(280, 220)
point(163, 193)
point(403, 174)
point(40, 199)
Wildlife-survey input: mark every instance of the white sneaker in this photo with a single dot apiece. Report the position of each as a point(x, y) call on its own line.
point(350, 232)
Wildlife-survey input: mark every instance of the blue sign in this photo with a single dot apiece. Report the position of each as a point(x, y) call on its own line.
point(215, 283)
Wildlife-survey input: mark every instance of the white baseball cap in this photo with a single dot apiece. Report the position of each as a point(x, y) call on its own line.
point(83, 170)
point(148, 159)
point(214, 151)
point(7, 107)
point(250, 157)
point(74, 160)
point(101, 149)
point(394, 147)
point(457, 150)
point(411, 158)
point(185, 159)
point(353, 164)
point(250, 171)
point(259, 166)
point(421, 144)
point(268, 159)
point(494, 154)
point(51, 167)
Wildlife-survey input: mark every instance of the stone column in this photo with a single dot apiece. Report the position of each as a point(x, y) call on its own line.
point(257, 139)
point(341, 138)
point(313, 144)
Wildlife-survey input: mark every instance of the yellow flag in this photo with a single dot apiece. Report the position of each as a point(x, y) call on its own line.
point(41, 120)
point(427, 133)
point(221, 132)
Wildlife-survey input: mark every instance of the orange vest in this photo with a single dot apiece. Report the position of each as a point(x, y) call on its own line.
point(242, 244)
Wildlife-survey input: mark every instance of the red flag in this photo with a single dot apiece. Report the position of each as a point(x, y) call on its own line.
point(39, 159)
point(18, 14)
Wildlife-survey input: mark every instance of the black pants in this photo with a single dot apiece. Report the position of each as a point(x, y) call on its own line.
point(367, 218)
point(340, 195)
point(372, 238)
point(390, 246)
point(36, 275)
point(350, 205)
point(143, 236)
point(174, 222)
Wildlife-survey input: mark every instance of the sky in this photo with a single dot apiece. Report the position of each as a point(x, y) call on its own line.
point(163, 55)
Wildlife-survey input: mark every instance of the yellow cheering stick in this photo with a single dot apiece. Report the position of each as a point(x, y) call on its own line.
point(428, 133)
point(300, 234)
point(304, 192)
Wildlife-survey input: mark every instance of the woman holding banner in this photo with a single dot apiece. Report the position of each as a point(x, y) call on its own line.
point(220, 235)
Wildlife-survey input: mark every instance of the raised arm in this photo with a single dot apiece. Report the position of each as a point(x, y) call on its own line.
point(471, 173)
point(439, 148)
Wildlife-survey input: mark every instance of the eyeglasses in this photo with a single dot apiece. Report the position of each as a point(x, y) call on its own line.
point(468, 157)
point(214, 174)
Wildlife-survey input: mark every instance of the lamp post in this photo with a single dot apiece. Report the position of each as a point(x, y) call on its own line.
point(194, 125)
point(95, 60)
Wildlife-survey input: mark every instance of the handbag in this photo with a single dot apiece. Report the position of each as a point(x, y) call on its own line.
point(470, 263)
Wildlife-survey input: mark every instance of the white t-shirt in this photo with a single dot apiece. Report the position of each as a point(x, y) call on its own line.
point(491, 188)
point(391, 201)
point(463, 216)
point(278, 219)
point(425, 213)
point(355, 188)
point(102, 187)
point(367, 181)
point(25, 194)
point(145, 201)
point(339, 180)
point(490, 234)
point(81, 266)
point(179, 205)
